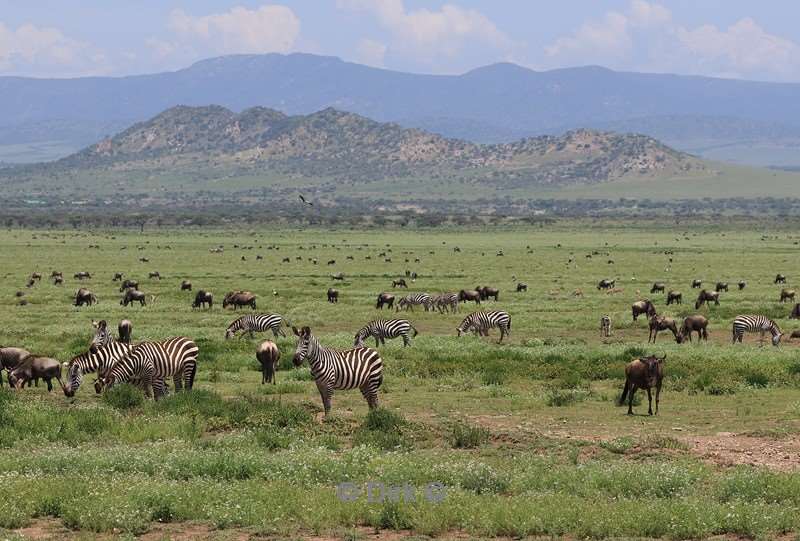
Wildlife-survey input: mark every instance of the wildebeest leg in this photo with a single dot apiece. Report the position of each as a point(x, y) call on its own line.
point(649, 402)
point(49, 385)
point(263, 374)
point(630, 399)
point(658, 394)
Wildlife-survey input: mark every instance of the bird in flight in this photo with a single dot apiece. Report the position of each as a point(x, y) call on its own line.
point(303, 199)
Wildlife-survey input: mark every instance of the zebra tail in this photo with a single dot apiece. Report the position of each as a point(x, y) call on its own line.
point(415, 330)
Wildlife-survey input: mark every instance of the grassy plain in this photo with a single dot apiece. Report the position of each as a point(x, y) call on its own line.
point(526, 435)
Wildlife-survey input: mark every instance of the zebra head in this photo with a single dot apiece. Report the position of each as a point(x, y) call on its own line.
point(360, 337)
point(464, 327)
point(776, 338)
point(305, 344)
point(74, 377)
point(101, 335)
point(230, 333)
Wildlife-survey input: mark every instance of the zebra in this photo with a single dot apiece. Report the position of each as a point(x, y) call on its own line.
point(605, 326)
point(481, 322)
point(360, 368)
point(252, 323)
point(753, 323)
point(409, 301)
point(446, 302)
point(99, 360)
point(381, 329)
point(103, 336)
point(152, 362)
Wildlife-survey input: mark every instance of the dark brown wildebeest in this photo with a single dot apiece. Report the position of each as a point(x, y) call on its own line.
point(82, 275)
point(133, 284)
point(645, 306)
point(333, 295)
point(674, 296)
point(84, 296)
point(332, 262)
point(643, 374)
point(202, 298)
point(658, 287)
point(721, 286)
point(56, 274)
point(239, 298)
point(605, 326)
point(780, 279)
point(34, 367)
point(399, 283)
point(696, 323)
point(606, 284)
point(268, 355)
point(662, 323)
point(338, 276)
point(144, 260)
point(36, 276)
point(154, 274)
point(58, 280)
point(795, 312)
point(742, 284)
point(10, 358)
point(697, 283)
point(522, 287)
point(131, 296)
point(385, 298)
point(469, 295)
point(186, 285)
point(125, 329)
point(30, 283)
point(706, 297)
point(286, 260)
point(486, 292)
point(117, 277)
point(787, 295)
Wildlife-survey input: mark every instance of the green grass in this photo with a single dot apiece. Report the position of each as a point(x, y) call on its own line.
point(525, 435)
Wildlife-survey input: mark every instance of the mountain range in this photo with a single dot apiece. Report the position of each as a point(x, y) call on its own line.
point(750, 122)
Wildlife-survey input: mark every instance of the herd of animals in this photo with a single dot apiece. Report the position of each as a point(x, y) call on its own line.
point(150, 365)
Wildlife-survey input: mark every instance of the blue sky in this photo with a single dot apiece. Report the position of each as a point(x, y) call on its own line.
point(732, 38)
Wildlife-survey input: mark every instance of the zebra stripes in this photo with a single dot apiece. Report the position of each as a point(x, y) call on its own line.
point(753, 323)
point(152, 362)
point(102, 336)
point(252, 323)
point(381, 329)
point(98, 361)
point(481, 322)
point(360, 368)
point(446, 302)
point(409, 301)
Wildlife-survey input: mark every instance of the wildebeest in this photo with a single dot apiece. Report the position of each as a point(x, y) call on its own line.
point(338, 276)
point(606, 284)
point(522, 287)
point(82, 275)
point(117, 277)
point(486, 292)
point(742, 284)
point(56, 273)
point(644, 306)
point(780, 279)
point(662, 323)
point(469, 295)
point(605, 326)
point(268, 355)
point(239, 298)
point(721, 286)
point(30, 283)
point(133, 284)
point(34, 367)
point(697, 283)
point(674, 296)
point(787, 295)
point(658, 287)
point(399, 283)
point(131, 296)
point(706, 297)
point(125, 329)
point(84, 296)
point(186, 285)
point(332, 262)
point(696, 323)
point(333, 295)
point(385, 298)
point(643, 374)
point(154, 274)
point(10, 358)
point(36, 276)
point(795, 312)
point(202, 298)
point(58, 280)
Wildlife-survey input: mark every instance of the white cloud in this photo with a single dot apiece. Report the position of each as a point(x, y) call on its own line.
point(269, 28)
point(371, 52)
point(645, 37)
point(429, 35)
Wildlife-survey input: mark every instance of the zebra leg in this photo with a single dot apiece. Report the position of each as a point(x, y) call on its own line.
point(370, 395)
point(325, 393)
point(502, 334)
point(189, 372)
point(406, 341)
point(377, 341)
point(159, 388)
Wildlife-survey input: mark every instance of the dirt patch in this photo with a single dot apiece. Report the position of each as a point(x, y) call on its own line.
point(729, 449)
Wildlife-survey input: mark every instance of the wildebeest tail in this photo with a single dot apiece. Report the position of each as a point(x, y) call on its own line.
point(625, 390)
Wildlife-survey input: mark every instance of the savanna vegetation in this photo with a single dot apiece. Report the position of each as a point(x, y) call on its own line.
point(526, 436)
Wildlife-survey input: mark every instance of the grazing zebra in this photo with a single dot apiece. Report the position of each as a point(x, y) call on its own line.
point(100, 360)
point(446, 302)
point(760, 324)
point(152, 362)
point(360, 368)
point(409, 301)
point(605, 326)
point(381, 329)
point(102, 336)
point(481, 322)
point(252, 323)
